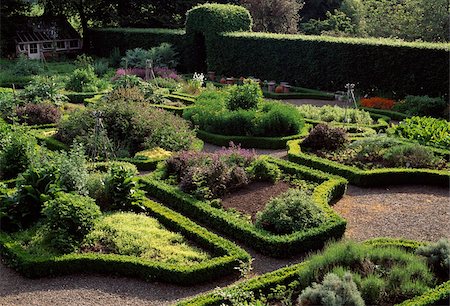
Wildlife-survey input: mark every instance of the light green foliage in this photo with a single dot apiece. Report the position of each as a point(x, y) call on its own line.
point(135, 58)
point(333, 291)
point(85, 80)
point(73, 170)
point(25, 67)
point(411, 156)
point(246, 96)
point(163, 55)
point(293, 211)
point(425, 130)
point(69, 218)
point(335, 114)
point(141, 236)
point(84, 61)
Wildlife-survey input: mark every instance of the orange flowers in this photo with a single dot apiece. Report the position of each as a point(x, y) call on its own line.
point(377, 102)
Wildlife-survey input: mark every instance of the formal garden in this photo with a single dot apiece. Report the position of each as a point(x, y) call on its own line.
point(253, 168)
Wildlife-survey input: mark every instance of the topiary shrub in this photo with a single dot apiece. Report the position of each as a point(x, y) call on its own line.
point(262, 170)
point(292, 211)
point(34, 114)
point(325, 137)
point(213, 18)
point(246, 96)
point(333, 291)
point(69, 218)
point(438, 256)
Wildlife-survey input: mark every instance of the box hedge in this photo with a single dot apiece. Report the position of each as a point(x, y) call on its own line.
point(227, 256)
point(290, 276)
point(333, 227)
point(368, 178)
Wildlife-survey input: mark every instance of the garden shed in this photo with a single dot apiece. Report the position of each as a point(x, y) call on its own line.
point(41, 37)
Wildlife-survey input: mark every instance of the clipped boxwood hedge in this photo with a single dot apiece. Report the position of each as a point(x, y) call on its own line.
point(380, 125)
point(328, 63)
point(384, 112)
point(333, 227)
point(249, 141)
point(228, 256)
point(285, 276)
point(79, 97)
point(368, 178)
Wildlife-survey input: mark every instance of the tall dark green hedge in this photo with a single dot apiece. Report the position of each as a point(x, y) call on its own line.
point(329, 63)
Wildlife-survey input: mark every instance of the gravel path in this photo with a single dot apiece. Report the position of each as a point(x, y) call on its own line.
point(411, 212)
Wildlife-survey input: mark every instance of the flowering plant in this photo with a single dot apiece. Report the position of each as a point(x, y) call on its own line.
point(377, 102)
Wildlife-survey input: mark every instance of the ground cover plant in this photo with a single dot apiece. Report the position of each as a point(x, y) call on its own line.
point(335, 114)
point(425, 130)
point(371, 152)
point(240, 111)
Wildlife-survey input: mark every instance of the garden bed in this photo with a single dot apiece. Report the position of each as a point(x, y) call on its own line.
point(329, 189)
point(366, 178)
point(225, 256)
point(277, 285)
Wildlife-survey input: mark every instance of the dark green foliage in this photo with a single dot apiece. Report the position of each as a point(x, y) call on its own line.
point(333, 291)
point(422, 106)
point(213, 18)
point(262, 170)
point(69, 218)
point(84, 80)
point(325, 137)
point(291, 212)
point(329, 63)
point(279, 119)
point(246, 96)
point(438, 256)
point(27, 67)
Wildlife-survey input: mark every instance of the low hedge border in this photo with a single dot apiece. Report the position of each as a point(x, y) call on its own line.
point(384, 112)
point(228, 257)
point(436, 296)
point(285, 276)
point(381, 124)
point(177, 110)
point(368, 178)
point(79, 97)
point(330, 188)
point(250, 141)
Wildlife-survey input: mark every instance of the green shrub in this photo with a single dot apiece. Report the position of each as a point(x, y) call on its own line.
point(411, 156)
point(69, 218)
point(292, 211)
point(25, 67)
point(372, 288)
point(83, 61)
point(247, 96)
point(262, 170)
point(126, 94)
point(168, 83)
point(141, 236)
point(84, 80)
point(44, 88)
point(279, 119)
point(428, 131)
point(101, 66)
point(438, 256)
point(335, 114)
point(163, 55)
point(136, 58)
point(422, 106)
point(333, 291)
point(325, 137)
point(72, 166)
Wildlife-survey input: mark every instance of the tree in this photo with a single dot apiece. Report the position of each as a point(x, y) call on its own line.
point(277, 16)
point(11, 13)
point(317, 9)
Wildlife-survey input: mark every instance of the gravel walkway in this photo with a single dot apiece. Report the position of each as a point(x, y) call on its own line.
point(411, 212)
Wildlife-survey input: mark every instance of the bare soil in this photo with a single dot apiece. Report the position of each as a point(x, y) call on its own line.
point(254, 197)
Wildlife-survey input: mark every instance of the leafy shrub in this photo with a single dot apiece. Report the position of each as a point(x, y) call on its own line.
point(292, 211)
point(69, 218)
point(16, 151)
point(278, 119)
point(335, 114)
point(334, 291)
point(84, 80)
point(168, 83)
point(131, 127)
point(166, 73)
point(438, 256)
point(43, 88)
point(411, 155)
point(127, 94)
point(428, 131)
point(35, 114)
point(121, 190)
point(141, 236)
point(422, 106)
point(101, 67)
point(377, 102)
point(262, 170)
point(8, 103)
point(130, 81)
point(135, 58)
point(324, 137)
point(210, 175)
point(24, 66)
point(246, 96)
point(83, 61)
point(72, 170)
point(163, 55)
